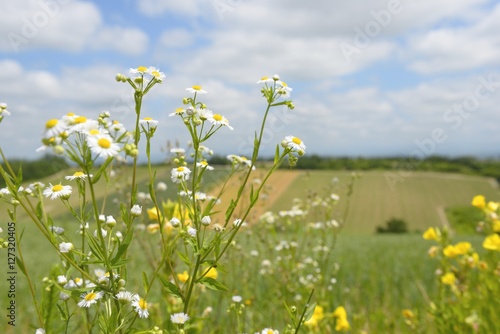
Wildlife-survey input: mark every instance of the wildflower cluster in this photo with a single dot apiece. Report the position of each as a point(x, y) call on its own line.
point(468, 280)
point(183, 240)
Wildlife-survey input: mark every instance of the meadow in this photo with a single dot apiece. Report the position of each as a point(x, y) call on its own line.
point(374, 276)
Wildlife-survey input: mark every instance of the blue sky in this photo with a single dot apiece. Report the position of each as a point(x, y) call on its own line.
point(370, 77)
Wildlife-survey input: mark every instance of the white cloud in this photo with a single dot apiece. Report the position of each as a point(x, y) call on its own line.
point(71, 26)
point(460, 48)
point(191, 8)
point(122, 40)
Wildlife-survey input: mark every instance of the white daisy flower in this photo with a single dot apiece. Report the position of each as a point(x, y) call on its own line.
point(136, 210)
point(179, 318)
point(265, 79)
point(61, 279)
point(236, 299)
point(148, 122)
point(66, 247)
point(124, 296)
point(217, 119)
point(40, 331)
point(205, 114)
point(4, 191)
point(57, 191)
point(77, 176)
point(161, 186)
point(154, 72)
point(141, 306)
point(78, 281)
point(139, 70)
point(90, 298)
point(204, 164)
point(283, 89)
point(178, 112)
point(53, 128)
point(180, 174)
point(82, 124)
point(63, 296)
point(103, 146)
point(117, 127)
point(294, 143)
point(206, 220)
point(196, 89)
point(191, 231)
point(104, 233)
point(57, 230)
point(269, 331)
point(178, 150)
point(175, 222)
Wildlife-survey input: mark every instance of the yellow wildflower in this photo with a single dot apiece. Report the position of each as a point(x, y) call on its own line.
point(408, 314)
point(496, 225)
point(432, 234)
point(479, 201)
point(153, 228)
point(492, 242)
point(341, 324)
point(212, 273)
point(183, 277)
point(462, 248)
point(450, 251)
point(448, 279)
point(316, 317)
point(492, 206)
point(155, 214)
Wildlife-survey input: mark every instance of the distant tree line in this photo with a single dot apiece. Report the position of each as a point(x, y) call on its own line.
point(37, 169)
point(462, 165)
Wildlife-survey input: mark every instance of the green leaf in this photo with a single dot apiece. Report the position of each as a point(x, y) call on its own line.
point(310, 311)
point(19, 177)
point(171, 288)
point(62, 312)
point(95, 247)
point(213, 284)
point(277, 155)
point(230, 209)
point(101, 170)
point(122, 248)
point(145, 283)
point(20, 264)
point(39, 211)
point(184, 258)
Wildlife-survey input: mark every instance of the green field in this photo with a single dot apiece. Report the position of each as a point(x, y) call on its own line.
point(377, 275)
point(421, 199)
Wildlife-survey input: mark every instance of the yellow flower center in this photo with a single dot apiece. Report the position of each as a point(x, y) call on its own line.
point(78, 280)
point(104, 143)
point(269, 331)
point(196, 87)
point(204, 163)
point(50, 124)
point(142, 304)
point(94, 132)
point(264, 78)
point(218, 117)
point(156, 74)
point(284, 84)
point(180, 169)
point(244, 159)
point(80, 119)
point(78, 174)
point(142, 69)
point(90, 296)
point(70, 114)
point(148, 119)
point(179, 110)
point(297, 140)
point(57, 188)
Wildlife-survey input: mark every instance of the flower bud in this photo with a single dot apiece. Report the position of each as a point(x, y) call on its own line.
point(206, 220)
point(136, 210)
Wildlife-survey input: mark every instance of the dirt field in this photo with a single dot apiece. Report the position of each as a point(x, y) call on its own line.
point(277, 184)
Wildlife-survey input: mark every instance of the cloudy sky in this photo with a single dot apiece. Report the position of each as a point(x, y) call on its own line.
point(370, 77)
